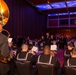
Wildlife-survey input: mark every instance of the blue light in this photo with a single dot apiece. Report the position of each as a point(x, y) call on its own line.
point(43, 7)
point(71, 13)
point(71, 3)
point(58, 5)
point(63, 13)
point(52, 14)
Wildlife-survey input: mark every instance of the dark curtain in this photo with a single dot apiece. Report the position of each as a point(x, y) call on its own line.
point(25, 20)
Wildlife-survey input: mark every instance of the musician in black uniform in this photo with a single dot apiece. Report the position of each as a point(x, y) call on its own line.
point(25, 54)
point(49, 58)
point(4, 53)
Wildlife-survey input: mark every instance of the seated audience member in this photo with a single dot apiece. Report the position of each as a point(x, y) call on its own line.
point(48, 58)
point(41, 42)
point(22, 54)
point(52, 39)
point(68, 51)
point(25, 54)
point(72, 60)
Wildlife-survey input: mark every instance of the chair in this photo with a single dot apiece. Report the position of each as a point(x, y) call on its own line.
point(45, 69)
point(24, 68)
point(70, 70)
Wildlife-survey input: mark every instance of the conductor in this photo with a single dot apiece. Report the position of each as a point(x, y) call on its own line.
point(4, 53)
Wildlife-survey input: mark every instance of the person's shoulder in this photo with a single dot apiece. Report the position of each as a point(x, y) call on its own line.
point(3, 36)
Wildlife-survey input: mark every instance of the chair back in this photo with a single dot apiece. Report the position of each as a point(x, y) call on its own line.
point(70, 70)
point(45, 69)
point(24, 68)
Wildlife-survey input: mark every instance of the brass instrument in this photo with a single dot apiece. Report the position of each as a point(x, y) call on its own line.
point(4, 12)
point(4, 15)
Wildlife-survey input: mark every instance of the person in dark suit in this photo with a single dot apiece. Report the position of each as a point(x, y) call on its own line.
point(4, 53)
point(47, 39)
point(62, 41)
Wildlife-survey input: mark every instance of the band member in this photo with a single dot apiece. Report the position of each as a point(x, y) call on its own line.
point(4, 53)
point(48, 58)
point(67, 53)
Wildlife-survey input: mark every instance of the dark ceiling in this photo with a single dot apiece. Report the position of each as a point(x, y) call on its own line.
point(53, 11)
point(46, 1)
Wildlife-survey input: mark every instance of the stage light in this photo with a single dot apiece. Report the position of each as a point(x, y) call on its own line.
point(58, 14)
point(71, 3)
point(58, 5)
point(63, 14)
point(71, 13)
point(52, 14)
point(44, 7)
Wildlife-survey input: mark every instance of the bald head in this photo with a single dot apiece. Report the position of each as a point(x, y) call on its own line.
point(1, 27)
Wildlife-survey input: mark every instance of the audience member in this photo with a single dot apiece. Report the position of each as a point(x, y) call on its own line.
point(62, 41)
point(47, 39)
point(67, 53)
point(72, 61)
point(52, 39)
point(41, 42)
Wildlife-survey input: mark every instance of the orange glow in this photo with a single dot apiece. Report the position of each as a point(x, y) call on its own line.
point(4, 12)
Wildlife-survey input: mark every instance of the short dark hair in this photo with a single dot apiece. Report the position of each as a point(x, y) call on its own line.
point(24, 44)
point(71, 44)
point(46, 46)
